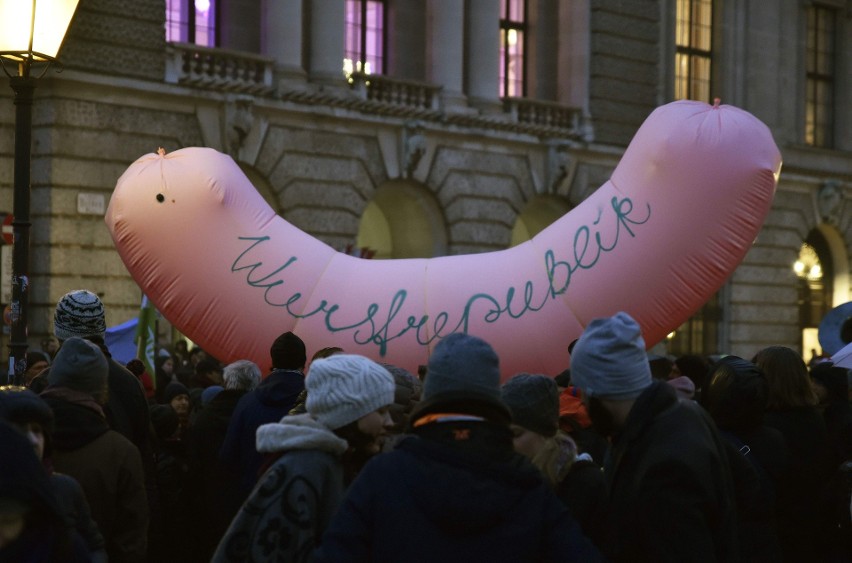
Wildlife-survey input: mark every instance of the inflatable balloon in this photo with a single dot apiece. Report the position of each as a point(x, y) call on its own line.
point(657, 240)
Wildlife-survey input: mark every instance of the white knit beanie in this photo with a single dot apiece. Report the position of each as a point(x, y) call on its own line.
point(344, 387)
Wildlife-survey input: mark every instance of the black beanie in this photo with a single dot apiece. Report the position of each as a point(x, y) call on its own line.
point(174, 389)
point(20, 405)
point(534, 402)
point(288, 352)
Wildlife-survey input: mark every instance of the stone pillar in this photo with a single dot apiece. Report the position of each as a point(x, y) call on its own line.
point(281, 39)
point(328, 21)
point(445, 44)
point(482, 55)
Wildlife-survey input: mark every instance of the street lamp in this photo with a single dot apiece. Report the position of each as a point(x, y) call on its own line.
point(31, 33)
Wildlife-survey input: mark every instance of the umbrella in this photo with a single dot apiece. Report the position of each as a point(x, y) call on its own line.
point(843, 358)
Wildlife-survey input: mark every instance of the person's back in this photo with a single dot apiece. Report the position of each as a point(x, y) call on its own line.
point(671, 491)
point(105, 463)
point(457, 484)
point(212, 504)
point(272, 400)
point(804, 511)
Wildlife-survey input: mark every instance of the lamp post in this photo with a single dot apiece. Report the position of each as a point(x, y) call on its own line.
point(31, 33)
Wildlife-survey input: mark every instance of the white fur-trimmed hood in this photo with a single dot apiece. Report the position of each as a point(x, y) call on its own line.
point(298, 432)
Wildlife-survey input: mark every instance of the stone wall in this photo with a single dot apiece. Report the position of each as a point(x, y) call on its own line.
point(624, 67)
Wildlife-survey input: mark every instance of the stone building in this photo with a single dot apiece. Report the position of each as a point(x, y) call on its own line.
point(426, 128)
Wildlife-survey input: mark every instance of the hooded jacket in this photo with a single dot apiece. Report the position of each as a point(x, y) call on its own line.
point(289, 509)
point(269, 402)
point(472, 501)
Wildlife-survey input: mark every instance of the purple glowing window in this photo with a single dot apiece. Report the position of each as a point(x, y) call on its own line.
point(512, 41)
point(365, 37)
point(191, 21)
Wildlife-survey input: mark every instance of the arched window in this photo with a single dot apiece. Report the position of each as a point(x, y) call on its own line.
point(815, 272)
point(402, 220)
point(192, 21)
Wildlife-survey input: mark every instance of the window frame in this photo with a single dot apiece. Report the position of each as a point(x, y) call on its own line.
point(691, 52)
point(363, 55)
point(822, 133)
point(190, 25)
point(522, 28)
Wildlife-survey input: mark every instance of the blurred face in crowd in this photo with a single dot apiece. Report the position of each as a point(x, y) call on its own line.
point(526, 442)
point(35, 434)
point(180, 404)
point(375, 425)
point(33, 370)
point(168, 366)
point(12, 521)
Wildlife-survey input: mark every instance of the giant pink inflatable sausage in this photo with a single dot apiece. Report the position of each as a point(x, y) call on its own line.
point(657, 240)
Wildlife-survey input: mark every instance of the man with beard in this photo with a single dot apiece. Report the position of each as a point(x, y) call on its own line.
point(671, 491)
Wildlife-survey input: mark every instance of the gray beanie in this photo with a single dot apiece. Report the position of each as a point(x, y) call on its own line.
point(80, 365)
point(79, 313)
point(344, 387)
point(609, 360)
point(463, 375)
point(534, 402)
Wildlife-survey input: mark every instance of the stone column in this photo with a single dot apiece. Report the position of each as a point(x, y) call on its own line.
point(281, 39)
point(482, 55)
point(445, 44)
point(328, 21)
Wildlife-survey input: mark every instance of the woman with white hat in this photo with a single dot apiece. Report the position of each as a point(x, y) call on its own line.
point(313, 457)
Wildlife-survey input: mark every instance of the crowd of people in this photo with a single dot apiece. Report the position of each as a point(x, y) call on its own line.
point(624, 456)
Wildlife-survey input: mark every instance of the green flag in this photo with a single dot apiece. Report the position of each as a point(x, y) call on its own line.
point(146, 336)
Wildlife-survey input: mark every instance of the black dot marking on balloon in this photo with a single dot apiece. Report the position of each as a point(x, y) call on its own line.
point(161, 198)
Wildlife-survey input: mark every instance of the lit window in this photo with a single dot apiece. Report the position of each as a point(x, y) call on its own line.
point(191, 21)
point(693, 52)
point(512, 39)
point(365, 37)
point(819, 104)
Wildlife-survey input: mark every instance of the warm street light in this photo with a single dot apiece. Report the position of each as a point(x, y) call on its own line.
point(31, 34)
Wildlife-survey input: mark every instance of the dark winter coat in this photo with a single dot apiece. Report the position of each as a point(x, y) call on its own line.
point(109, 469)
point(454, 492)
point(671, 490)
point(212, 505)
point(287, 512)
point(759, 455)
point(584, 492)
point(269, 402)
point(74, 508)
point(804, 509)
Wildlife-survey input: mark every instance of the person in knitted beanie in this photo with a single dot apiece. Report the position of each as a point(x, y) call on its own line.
point(670, 483)
point(312, 457)
point(461, 490)
point(577, 480)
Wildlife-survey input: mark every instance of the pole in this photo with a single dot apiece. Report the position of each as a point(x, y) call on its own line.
point(23, 87)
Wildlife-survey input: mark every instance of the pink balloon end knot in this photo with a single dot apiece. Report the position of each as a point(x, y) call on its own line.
point(716, 102)
point(161, 151)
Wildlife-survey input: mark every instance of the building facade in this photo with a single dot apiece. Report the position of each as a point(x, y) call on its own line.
point(421, 129)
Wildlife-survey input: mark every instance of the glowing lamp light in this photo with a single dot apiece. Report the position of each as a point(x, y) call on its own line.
point(815, 272)
point(799, 267)
point(34, 30)
point(202, 5)
point(31, 33)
